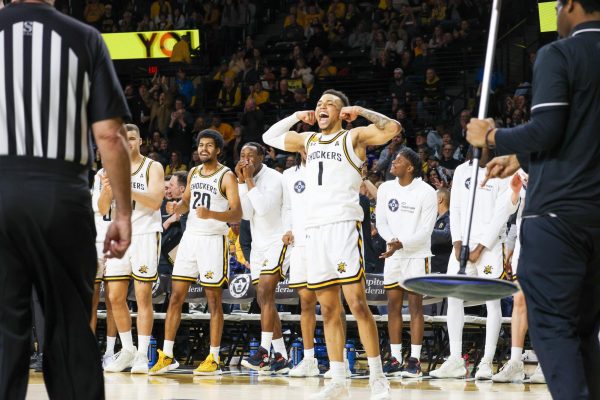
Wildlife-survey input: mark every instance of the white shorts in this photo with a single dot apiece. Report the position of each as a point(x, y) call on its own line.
point(275, 260)
point(396, 270)
point(298, 267)
point(489, 265)
point(101, 261)
point(140, 261)
point(335, 254)
point(203, 259)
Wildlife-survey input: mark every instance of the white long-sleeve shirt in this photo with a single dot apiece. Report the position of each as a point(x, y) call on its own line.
point(490, 213)
point(262, 206)
point(102, 221)
point(408, 214)
point(294, 203)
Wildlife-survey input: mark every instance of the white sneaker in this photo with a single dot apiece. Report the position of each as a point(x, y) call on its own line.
point(380, 388)
point(108, 359)
point(123, 360)
point(140, 364)
point(484, 371)
point(306, 368)
point(453, 367)
point(333, 390)
point(327, 375)
point(512, 371)
point(538, 376)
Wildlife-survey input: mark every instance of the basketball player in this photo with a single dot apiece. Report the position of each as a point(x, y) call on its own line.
point(211, 196)
point(102, 220)
point(261, 195)
point(513, 370)
point(493, 207)
point(140, 261)
point(406, 212)
point(333, 232)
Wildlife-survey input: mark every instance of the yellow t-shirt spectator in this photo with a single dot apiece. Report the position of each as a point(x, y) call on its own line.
point(260, 97)
point(171, 170)
point(234, 246)
point(338, 9)
point(326, 71)
point(181, 52)
point(226, 131)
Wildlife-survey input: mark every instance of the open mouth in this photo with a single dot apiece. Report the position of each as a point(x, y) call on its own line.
point(323, 117)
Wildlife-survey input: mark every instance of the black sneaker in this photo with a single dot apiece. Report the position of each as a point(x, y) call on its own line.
point(279, 365)
point(257, 362)
point(392, 367)
point(412, 368)
point(36, 365)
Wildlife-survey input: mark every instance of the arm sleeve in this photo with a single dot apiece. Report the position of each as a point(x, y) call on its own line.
point(503, 209)
point(264, 201)
point(275, 135)
point(383, 228)
point(441, 236)
point(425, 225)
point(247, 210)
point(107, 99)
point(455, 201)
point(550, 107)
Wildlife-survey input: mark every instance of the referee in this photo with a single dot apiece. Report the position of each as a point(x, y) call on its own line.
point(56, 81)
point(559, 266)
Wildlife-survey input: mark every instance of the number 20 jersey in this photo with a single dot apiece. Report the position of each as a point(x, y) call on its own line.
point(333, 179)
point(205, 191)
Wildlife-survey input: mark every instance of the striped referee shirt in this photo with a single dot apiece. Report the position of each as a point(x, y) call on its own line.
point(56, 79)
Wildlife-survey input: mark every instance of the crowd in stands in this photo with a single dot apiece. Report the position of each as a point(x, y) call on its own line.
point(403, 42)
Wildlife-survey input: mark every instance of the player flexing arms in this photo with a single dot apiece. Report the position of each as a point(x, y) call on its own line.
point(406, 212)
point(140, 261)
point(333, 160)
point(212, 197)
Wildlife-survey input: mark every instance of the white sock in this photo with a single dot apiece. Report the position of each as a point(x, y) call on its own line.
point(456, 320)
point(309, 354)
point(515, 353)
point(126, 340)
point(415, 351)
point(375, 367)
point(168, 347)
point(396, 350)
point(143, 343)
point(215, 352)
point(110, 345)
point(265, 340)
point(338, 370)
point(492, 328)
point(279, 347)
point(345, 355)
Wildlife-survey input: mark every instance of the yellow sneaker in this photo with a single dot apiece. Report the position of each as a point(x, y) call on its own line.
point(163, 365)
point(210, 366)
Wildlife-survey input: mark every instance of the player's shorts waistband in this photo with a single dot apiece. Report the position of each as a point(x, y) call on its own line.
point(43, 169)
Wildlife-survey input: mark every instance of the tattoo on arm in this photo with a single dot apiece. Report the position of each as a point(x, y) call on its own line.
point(379, 120)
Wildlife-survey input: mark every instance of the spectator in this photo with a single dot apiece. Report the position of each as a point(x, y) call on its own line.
point(225, 129)
point(300, 100)
point(293, 32)
point(173, 225)
point(93, 12)
point(160, 7)
point(437, 40)
point(301, 70)
point(441, 241)
point(377, 45)
point(388, 154)
point(230, 95)
point(360, 38)
point(394, 45)
point(352, 17)
point(447, 160)
point(160, 113)
point(212, 15)
point(318, 37)
point(194, 160)
point(145, 24)
point(163, 151)
point(283, 98)
point(459, 132)
point(180, 130)
point(338, 8)
point(314, 14)
point(185, 87)
point(181, 50)
point(407, 126)
point(231, 20)
point(438, 12)
point(260, 96)
point(164, 22)
point(126, 24)
point(175, 164)
point(399, 88)
point(383, 67)
point(178, 19)
point(325, 69)
point(433, 93)
point(252, 122)
point(108, 23)
point(199, 125)
point(248, 76)
point(407, 20)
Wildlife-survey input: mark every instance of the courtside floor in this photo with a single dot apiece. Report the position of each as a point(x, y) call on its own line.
point(240, 385)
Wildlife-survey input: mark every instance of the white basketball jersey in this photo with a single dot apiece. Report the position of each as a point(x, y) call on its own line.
point(205, 191)
point(101, 221)
point(295, 201)
point(333, 179)
point(143, 219)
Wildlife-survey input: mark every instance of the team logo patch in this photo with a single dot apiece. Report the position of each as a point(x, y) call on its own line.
point(264, 264)
point(337, 143)
point(239, 286)
point(393, 205)
point(441, 225)
point(468, 183)
point(209, 275)
point(299, 187)
point(487, 270)
point(341, 267)
point(143, 269)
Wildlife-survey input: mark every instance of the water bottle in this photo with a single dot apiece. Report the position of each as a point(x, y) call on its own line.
point(254, 345)
point(297, 352)
point(351, 354)
point(152, 352)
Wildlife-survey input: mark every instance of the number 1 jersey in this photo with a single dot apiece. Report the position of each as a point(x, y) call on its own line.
point(333, 179)
point(205, 191)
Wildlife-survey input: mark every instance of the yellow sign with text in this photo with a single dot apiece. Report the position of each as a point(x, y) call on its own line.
point(156, 44)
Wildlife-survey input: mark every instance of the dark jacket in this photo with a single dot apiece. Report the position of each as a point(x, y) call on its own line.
point(441, 244)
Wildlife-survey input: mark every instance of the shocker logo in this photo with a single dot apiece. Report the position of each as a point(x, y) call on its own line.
point(143, 269)
point(487, 270)
point(341, 267)
point(209, 275)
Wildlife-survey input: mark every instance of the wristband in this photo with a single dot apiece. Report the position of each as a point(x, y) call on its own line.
point(487, 136)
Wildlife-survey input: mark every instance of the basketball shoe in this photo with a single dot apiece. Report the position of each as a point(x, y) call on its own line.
point(123, 360)
point(258, 361)
point(392, 367)
point(484, 371)
point(453, 367)
point(380, 388)
point(209, 366)
point(306, 368)
point(140, 364)
point(164, 364)
point(512, 371)
point(333, 390)
point(412, 368)
point(327, 375)
point(279, 365)
point(538, 376)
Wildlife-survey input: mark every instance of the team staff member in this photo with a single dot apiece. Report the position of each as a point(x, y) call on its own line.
point(560, 250)
point(56, 80)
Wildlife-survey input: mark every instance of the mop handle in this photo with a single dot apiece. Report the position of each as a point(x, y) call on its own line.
point(483, 106)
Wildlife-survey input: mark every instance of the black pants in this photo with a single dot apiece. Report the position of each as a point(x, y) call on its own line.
point(559, 271)
point(47, 237)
